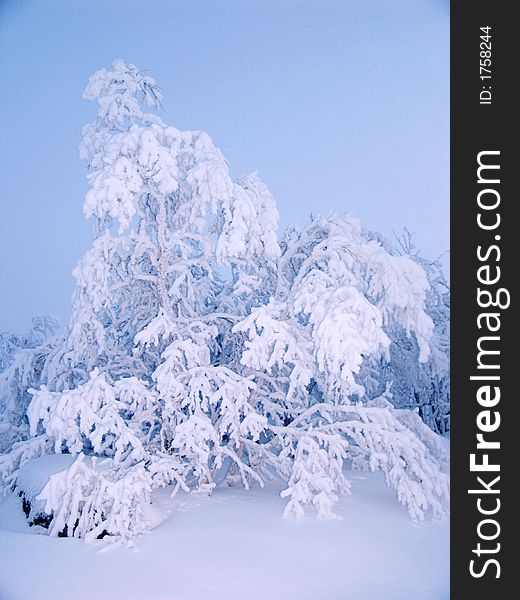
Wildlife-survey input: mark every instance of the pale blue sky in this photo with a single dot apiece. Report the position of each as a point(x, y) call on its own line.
point(339, 105)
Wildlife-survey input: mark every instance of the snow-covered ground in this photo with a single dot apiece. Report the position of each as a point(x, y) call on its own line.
point(235, 545)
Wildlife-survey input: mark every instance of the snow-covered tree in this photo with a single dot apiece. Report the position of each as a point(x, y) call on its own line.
point(421, 386)
point(202, 350)
point(41, 330)
point(336, 291)
point(21, 361)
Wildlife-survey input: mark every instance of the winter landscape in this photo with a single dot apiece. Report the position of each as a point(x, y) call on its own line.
point(233, 409)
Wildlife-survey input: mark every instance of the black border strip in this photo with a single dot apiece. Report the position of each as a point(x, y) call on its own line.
point(477, 128)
